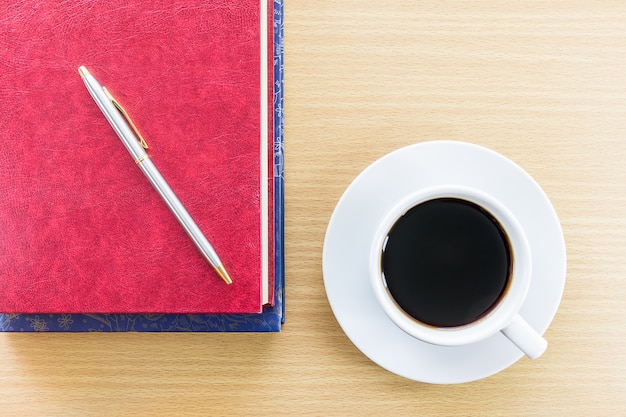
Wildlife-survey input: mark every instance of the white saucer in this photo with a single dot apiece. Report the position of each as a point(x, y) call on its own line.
point(351, 230)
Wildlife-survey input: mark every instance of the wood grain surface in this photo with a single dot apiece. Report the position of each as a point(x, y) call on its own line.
point(543, 83)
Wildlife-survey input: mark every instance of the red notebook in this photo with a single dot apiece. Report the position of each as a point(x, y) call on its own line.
point(81, 229)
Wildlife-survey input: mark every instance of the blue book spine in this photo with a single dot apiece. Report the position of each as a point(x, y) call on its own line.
point(270, 320)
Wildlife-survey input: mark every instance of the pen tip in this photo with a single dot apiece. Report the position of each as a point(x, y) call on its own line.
point(82, 71)
point(223, 274)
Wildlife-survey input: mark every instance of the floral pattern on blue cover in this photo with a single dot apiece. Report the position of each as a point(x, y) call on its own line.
point(270, 320)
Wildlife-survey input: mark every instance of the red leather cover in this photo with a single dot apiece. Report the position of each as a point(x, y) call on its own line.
point(81, 229)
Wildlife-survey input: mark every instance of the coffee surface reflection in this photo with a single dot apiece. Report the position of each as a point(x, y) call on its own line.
point(447, 262)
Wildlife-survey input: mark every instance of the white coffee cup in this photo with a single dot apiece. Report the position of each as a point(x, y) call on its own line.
point(503, 316)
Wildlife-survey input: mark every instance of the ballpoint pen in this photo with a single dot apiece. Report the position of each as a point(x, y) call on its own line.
point(136, 146)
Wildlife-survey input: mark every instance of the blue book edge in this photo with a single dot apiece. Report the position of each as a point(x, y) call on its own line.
point(270, 320)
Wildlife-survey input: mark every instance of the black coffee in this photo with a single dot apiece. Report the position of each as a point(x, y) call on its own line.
point(447, 262)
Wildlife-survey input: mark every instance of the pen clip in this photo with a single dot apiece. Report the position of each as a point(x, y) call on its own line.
point(127, 117)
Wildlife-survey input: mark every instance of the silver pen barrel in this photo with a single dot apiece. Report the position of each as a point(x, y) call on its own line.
point(179, 211)
point(136, 146)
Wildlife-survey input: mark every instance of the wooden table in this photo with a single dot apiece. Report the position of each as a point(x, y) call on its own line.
point(543, 83)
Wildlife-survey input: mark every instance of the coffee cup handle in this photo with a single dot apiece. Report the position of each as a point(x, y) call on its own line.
point(525, 338)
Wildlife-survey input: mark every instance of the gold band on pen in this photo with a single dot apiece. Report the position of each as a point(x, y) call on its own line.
point(141, 159)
